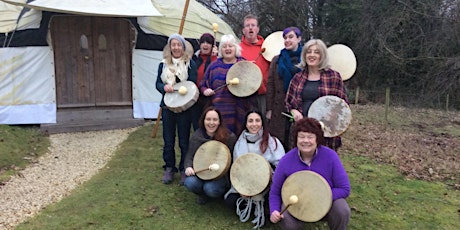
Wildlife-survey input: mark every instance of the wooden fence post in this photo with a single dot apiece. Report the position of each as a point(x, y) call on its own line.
point(447, 103)
point(357, 95)
point(387, 105)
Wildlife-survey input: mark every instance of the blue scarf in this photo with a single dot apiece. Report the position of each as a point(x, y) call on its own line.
point(286, 65)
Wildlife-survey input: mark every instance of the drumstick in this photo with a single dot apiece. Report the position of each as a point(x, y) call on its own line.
point(215, 26)
point(212, 167)
point(234, 81)
point(292, 200)
point(182, 90)
point(260, 54)
point(287, 115)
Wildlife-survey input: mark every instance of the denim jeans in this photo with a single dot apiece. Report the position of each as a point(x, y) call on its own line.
point(211, 188)
point(171, 122)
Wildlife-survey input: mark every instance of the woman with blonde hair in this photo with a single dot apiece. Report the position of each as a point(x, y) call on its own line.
point(177, 66)
point(315, 80)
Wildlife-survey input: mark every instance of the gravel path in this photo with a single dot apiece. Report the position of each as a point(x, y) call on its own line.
point(72, 159)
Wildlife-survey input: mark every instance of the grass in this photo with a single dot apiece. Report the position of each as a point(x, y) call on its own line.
point(19, 146)
point(128, 194)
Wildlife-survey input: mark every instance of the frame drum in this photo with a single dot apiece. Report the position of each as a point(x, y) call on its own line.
point(212, 152)
point(343, 60)
point(249, 75)
point(313, 193)
point(250, 174)
point(177, 102)
point(334, 112)
point(273, 45)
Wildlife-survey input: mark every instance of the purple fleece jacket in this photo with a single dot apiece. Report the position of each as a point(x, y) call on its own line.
point(326, 163)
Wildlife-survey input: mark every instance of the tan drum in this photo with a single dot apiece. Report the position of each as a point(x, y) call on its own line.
point(178, 101)
point(207, 156)
point(334, 112)
point(273, 45)
point(314, 196)
point(250, 174)
point(343, 60)
point(249, 78)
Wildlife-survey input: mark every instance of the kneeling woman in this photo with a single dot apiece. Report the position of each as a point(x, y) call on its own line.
point(311, 154)
point(210, 128)
point(255, 138)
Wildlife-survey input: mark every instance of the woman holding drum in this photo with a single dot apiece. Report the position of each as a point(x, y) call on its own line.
point(175, 67)
point(315, 80)
point(232, 107)
point(311, 154)
point(282, 69)
point(254, 139)
point(211, 128)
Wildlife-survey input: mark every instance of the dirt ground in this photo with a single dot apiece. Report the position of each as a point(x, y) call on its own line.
point(421, 143)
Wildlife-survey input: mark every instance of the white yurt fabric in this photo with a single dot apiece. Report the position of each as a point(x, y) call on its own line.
point(198, 20)
point(113, 8)
point(9, 18)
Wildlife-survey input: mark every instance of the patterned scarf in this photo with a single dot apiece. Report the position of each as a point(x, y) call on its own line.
point(286, 65)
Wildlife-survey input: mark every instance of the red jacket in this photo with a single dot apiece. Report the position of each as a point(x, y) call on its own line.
point(251, 52)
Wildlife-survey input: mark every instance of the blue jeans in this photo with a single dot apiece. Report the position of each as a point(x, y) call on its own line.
point(211, 188)
point(171, 122)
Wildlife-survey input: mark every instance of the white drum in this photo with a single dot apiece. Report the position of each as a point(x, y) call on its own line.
point(185, 95)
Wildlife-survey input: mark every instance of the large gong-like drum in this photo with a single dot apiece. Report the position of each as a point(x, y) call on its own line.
point(250, 174)
point(273, 45)
point(342, 59)
point(208, 155)
point(314, 195)
point(333, 112)
point(249, 76)
point(185, 95)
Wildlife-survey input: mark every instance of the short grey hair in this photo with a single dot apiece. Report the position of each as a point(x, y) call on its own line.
point(228, 38)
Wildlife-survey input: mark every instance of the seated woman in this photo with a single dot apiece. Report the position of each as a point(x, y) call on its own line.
point(311, 154)
point(210, 128)
point(255, 138)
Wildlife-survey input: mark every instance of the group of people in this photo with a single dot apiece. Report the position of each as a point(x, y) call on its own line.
point(290, 83)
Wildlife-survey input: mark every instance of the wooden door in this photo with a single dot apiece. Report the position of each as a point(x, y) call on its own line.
point(92, 61)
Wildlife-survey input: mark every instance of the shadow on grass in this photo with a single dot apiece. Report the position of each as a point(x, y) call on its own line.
point(128, 194)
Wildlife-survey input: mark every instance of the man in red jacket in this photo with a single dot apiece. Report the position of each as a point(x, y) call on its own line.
point(251, 44)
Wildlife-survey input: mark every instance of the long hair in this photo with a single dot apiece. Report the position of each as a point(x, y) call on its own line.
point(222, 133)
point(323, 63)
point(265, 131)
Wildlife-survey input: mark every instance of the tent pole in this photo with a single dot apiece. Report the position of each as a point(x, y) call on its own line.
point(181, 28)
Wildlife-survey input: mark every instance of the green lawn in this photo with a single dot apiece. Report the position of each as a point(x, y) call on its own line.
point(128, 194)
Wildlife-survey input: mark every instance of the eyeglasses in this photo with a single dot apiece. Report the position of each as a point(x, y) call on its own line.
point(250, 25)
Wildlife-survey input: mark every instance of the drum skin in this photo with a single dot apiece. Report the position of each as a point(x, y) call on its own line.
point(250, 174)
point(273, 45)
point(313, 193)
point(334, 112)
point(212, 152)
point(177, 102)
point(343, 60)
point(250, 78)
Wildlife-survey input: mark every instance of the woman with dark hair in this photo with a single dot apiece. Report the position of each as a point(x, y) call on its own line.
point(282, 69)
point(255, 138)
point(203, 57)
point(311, 154)
point(211, 128)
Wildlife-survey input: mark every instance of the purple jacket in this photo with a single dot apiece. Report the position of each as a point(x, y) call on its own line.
point(326, 163)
